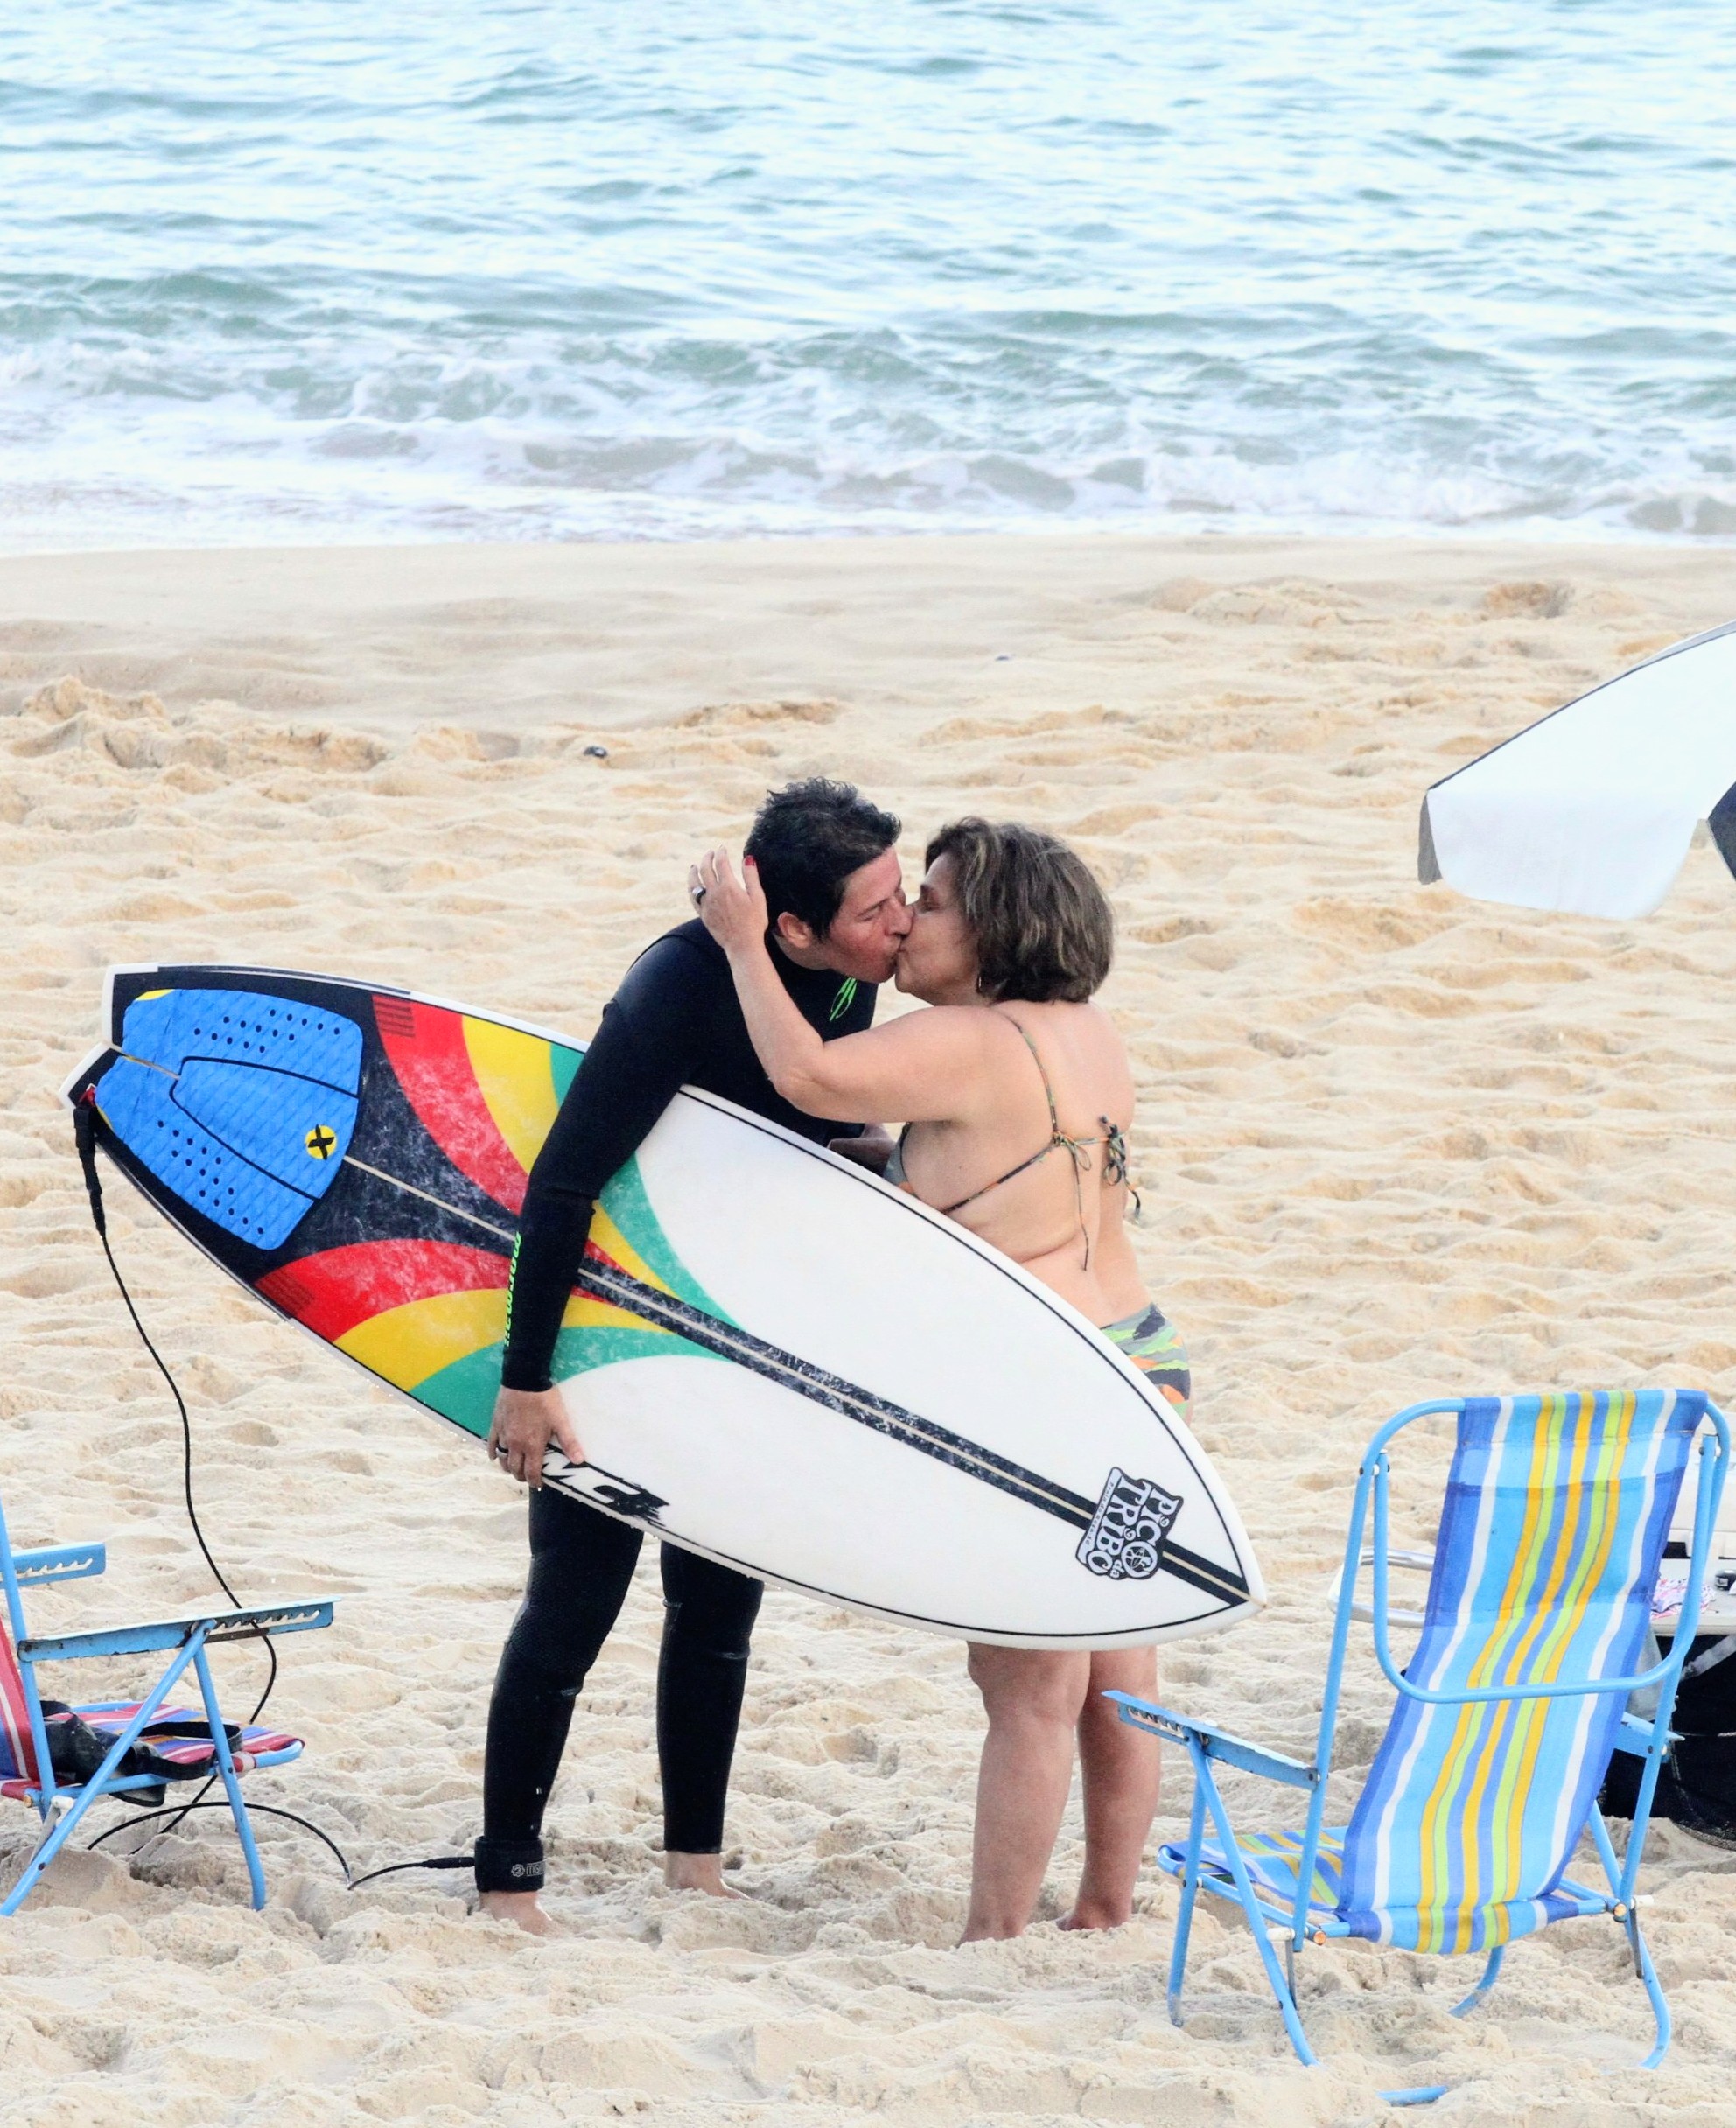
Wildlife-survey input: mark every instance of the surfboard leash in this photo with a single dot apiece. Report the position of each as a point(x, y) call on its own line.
point(84, 1137)
point(352, 1883)
point(84, 1134)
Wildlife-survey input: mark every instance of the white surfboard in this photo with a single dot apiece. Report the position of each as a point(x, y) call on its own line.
point(772, 1357)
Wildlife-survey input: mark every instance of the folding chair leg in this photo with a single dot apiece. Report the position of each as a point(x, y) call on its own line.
point(231, 1779)
point(94, 1789)
point(1250, 1906)
point(53, 1839)
point(1647, 1972)
point(1184, 1918)
point(1621, 1875)
point(1480, 1993)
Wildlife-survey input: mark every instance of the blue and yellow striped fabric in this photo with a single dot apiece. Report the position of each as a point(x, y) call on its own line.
point(1272, 1859)
point(1555, 1514)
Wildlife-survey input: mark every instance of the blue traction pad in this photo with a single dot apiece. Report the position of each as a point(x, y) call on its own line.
point(242, 1104)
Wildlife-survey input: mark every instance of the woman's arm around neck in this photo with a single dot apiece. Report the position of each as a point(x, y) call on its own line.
point(921, 1067)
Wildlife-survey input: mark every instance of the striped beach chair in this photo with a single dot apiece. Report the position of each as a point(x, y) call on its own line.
point(190, 1741)
point(1533, 1638)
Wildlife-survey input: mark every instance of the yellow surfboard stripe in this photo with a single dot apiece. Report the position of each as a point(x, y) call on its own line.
point(408, 1344)
point(615, 1245)
point(583, 1312)
point(517, 1083)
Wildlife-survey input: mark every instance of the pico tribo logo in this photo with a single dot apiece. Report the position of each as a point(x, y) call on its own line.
point(321, 1142)
point(1125, 1542)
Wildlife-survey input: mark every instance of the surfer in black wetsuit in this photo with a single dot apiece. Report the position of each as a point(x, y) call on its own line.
point(836, 894)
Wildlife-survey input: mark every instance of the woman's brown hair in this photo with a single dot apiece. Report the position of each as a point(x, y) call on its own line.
point(1043, 926)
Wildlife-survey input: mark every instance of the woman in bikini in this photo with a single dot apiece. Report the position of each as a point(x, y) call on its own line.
point(1019, 1099)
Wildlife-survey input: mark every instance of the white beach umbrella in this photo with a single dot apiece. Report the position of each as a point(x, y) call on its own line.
point(1592, 810)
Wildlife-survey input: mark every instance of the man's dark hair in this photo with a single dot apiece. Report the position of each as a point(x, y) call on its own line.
point(1043, 926)
point(807, 838)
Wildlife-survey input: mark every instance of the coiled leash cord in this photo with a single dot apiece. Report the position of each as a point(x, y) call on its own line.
point(84, 1137)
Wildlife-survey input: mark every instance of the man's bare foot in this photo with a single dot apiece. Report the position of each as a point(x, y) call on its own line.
point(517, 1906)
point(697, 1873)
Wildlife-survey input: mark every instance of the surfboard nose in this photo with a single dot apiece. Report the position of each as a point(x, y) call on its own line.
point(243, 1103)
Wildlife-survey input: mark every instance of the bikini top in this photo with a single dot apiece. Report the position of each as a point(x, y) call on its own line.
point(1078, 1149)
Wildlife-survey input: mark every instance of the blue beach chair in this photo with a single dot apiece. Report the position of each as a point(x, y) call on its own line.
point(191, 1741)
point(1534, 1635)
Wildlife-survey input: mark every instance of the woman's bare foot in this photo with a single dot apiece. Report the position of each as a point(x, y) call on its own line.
point(519, 1907)
point(1085, 1916)
point(697, 1873)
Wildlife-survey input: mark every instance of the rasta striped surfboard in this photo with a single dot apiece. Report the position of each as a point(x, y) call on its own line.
point(772, 1357)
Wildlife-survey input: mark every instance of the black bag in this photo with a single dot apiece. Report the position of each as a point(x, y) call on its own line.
point(1696, 1783)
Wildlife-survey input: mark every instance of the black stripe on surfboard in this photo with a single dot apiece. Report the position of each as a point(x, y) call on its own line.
point(622, 1290)
point(882, 1416)
point(1199, 1573)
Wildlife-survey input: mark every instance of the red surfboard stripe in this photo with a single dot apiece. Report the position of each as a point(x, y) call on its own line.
point(426, 1046)
point(334, 1291)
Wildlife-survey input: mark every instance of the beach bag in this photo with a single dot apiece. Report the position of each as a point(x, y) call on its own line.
point(1696, 1783)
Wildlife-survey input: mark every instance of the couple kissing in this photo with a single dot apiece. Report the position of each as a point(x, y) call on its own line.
point(1015, 1102)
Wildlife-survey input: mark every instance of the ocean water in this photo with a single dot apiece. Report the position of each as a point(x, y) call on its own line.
point(318, 269)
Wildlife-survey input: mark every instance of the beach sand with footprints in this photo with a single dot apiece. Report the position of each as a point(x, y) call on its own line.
point(1390, 1143)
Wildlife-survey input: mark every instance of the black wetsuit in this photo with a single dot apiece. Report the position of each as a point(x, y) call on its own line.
point(673, 1021)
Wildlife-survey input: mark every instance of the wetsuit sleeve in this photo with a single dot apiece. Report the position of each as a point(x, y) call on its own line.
point(644, 1051)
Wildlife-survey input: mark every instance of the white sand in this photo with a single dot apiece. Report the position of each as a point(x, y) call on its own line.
point(1391, 1142)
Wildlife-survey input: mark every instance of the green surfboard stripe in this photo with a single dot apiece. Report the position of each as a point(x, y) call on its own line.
point(564, 1068)
point(626, 1202)
point(464, 1392)
point(576, 1352)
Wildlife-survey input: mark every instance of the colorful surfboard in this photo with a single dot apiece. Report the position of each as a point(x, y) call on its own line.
point(772, 1357)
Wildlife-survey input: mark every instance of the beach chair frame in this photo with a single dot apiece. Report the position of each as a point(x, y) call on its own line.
point(1282, 1931)
point(62, 1805)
